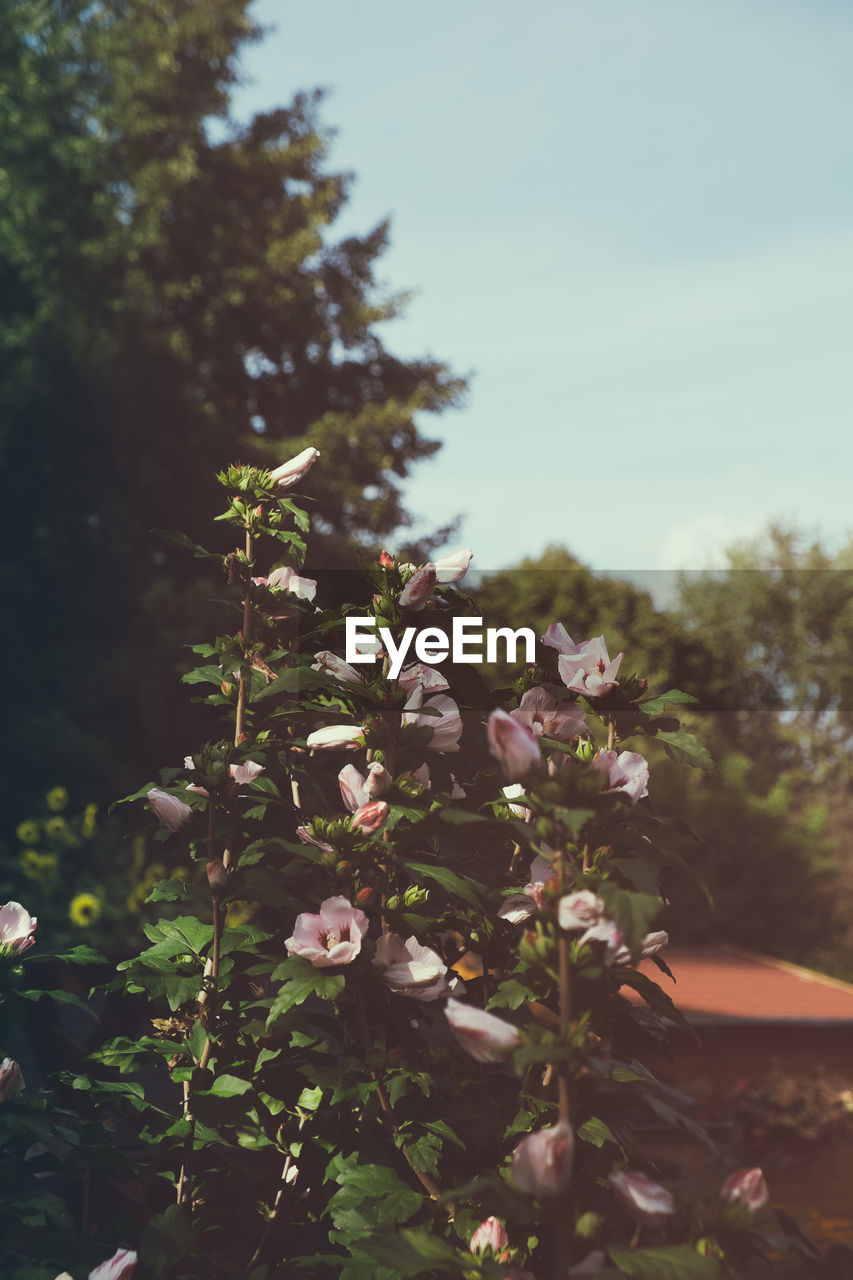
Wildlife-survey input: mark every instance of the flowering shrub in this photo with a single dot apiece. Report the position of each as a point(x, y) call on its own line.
point(353, 1058)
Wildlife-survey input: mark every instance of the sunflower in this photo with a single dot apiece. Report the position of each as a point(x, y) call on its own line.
point(57, 799)
point(38, 866)
point(28, 832)
point(84, 909)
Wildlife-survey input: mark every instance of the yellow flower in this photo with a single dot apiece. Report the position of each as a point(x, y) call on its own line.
point(38, 866)
point(89, 825)
point(28, 832)
point(56, 828)
point(84, 910)
point(57, 799)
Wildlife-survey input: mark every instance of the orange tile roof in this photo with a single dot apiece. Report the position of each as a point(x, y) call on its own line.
point(728, 984)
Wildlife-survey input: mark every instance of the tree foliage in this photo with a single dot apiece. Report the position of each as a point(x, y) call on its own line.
point(171, 292)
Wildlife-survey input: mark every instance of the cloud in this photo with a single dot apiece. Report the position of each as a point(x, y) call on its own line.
point(701, 543)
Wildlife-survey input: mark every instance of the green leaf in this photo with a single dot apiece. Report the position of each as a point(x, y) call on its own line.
point(204, 675)
point(669, 1262)
point(293, 680)
point(226, 1086)
point(167, 1238)
point(302, 980)
point(178, 539)
point(632, 912)
point(595, 1132)
point(685, 748)
point(654, 706)
point(468, 890)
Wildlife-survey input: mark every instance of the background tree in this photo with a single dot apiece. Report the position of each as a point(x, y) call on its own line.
point(170, 294)
point(760, 649)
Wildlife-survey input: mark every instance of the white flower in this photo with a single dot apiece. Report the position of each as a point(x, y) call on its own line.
point(292, 471)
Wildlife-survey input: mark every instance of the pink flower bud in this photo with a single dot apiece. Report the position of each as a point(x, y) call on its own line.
point(292, 471)
point(542, 1162)
point(481, 1034)
point(171, 811)
point(490, 1235)
point(370, 817)
point(11, 1079)
point(16, 928)
point(346, 737)
point(513, 745)
point(418, 589)
point(119, 1267)
point(747, 1187)
point(331, 665)
point(386, 559)
point(366, 896)
point(640, 1195)
point(216, 874)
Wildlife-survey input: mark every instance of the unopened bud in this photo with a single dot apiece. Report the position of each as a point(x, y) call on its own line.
point(216, 873)
point(259, 511)
point(386, 560)
point(585, 750)
point(366, 896)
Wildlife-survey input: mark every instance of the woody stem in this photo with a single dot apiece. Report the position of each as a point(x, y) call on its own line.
point(243, 693)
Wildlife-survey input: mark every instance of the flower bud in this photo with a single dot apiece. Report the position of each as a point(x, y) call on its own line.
point(542, 1162)
point(292, 471)
point(490, 1235)
point(171, 811)
point(370, 817)
point(366, 896)
point(216, 874)
point(386, 560)
point(259, 511)
point(481, 1034)
point(513, 745)
point(11, 1079)
point(640, 1195)
point(418, 589)
point(747, 1187)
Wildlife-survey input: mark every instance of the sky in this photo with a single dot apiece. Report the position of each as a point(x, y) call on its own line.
point(632, 226)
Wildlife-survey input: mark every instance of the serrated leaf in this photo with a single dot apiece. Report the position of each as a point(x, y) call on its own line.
point(595, 1132)
point(302, 980)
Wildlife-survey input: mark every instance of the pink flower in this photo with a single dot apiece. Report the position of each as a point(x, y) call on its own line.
point(481, 1034)
point(520, 906)
point(331, 665)
point(651, 945)
point(545, 717)
point(542, 1162)
point(514, 746)
point(171, 811)
point(747, 1187)
point(245, 773)
point(418, 590)
point(490, 1235)
point(358, 790)
point(409, 968)
point(11, 1079)
point(579, 910)
point(605, 931)
point(119, 1267)
point(639, 1194)
point(370, 817)
point(287, 579)
point(513, 792)
point(628, 772)
point(16, 928)
point(452, 568)
point(420, 673)
point(330, 938)
point(291, 472)
point(446, 727)
point(584, 667)
point(336, 737)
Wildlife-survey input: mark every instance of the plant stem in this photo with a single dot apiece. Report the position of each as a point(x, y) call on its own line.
point(611, 733)
point(429, 1185)
point(271, 1220)
point(243, 693)
point(183, 1190)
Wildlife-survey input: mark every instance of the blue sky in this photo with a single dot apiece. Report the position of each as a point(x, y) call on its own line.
point(632, 224)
